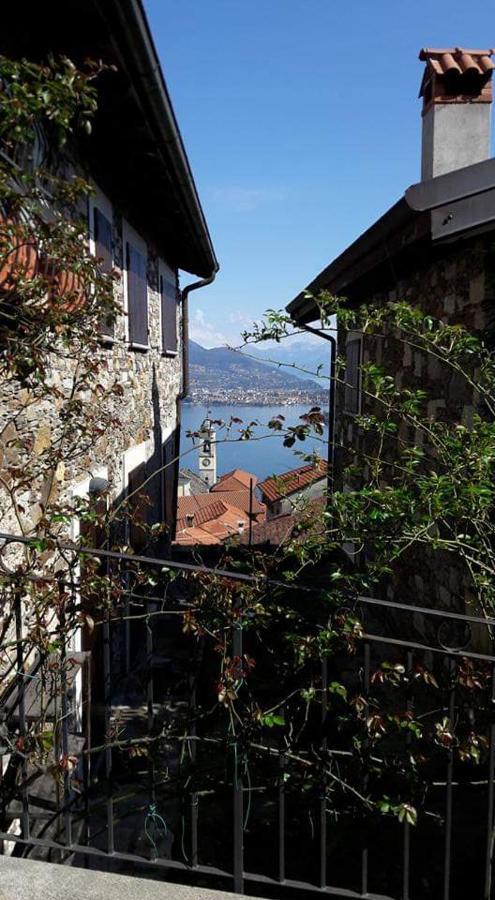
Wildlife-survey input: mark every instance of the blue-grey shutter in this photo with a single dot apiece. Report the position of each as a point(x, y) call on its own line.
point(168, 293)
point(103, 252)
point(137, 297)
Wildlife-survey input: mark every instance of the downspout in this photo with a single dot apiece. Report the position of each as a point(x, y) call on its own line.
point(331, 404)
point(185, 328)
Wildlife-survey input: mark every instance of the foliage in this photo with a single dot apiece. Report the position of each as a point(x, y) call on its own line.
point(286, 679)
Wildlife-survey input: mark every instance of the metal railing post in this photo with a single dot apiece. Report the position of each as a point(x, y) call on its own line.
point(238, 798)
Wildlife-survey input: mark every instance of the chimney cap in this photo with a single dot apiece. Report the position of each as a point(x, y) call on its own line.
point(456, 75)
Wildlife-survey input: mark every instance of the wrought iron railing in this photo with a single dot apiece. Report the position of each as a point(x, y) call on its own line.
point(92, 793)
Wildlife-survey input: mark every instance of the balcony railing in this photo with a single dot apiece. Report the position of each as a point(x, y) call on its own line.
point(112, 754)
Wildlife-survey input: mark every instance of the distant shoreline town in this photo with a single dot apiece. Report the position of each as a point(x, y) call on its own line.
point(201, 397)
point(222, 377)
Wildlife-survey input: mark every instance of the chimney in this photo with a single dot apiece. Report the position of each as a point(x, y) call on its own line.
point(189, 520)
point(457, 95)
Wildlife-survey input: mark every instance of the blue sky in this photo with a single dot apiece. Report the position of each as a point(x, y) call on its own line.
point(302, 125)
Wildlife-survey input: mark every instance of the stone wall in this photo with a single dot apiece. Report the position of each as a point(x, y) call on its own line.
point(453, 283)
point(145, 411)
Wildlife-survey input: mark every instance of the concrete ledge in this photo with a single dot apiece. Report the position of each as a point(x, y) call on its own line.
point(24, 879)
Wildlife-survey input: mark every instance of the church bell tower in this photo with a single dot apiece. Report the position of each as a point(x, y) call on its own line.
point(207, 453)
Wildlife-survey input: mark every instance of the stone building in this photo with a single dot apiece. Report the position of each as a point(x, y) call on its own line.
point(434, 248)
point(145, 221)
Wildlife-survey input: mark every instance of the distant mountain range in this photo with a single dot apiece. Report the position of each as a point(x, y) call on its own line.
point(314, 356)
point(221, 368)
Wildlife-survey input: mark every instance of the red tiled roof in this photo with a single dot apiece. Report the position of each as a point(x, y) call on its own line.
point(212, 524)
point(188, 505)
point(193, 502)
point(276, 531)
point(241, 499)
point(234, 481)
point(192, 536)
point(204, 514)
point(273, 531)
point(458, 59)
point(280, 486)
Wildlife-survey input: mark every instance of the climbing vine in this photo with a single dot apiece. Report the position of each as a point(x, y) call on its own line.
point(293, 690)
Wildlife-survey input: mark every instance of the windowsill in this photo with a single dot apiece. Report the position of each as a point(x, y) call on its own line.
point(171, 353)
point(143, 348)
point(107, 339)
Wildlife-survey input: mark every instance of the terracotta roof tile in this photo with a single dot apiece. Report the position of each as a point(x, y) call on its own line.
point(276, 531)
point(458, 59)
point(211, 511)
point(241, 500)
point(193, 536)
point(191, 504)
point(212, 524)
point(456, 71)
point(188, 505)
point(234, 481)
point(276, 488)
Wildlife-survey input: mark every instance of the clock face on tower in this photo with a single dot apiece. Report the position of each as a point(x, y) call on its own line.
point(205, 461)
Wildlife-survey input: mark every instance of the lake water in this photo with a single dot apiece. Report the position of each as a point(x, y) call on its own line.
point(261, 457)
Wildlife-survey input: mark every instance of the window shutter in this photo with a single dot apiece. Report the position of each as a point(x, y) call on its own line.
point(168, 292)
point(103, 252)
point(352, 376)
point(137, 297)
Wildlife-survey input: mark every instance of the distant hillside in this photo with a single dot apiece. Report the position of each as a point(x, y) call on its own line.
point(313, 356)
point(220, 367)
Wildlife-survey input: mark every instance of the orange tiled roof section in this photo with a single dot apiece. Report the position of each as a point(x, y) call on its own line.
point(203, 514)
point(188, 505)
point(283, 528)
point(456, 75)
point(237, 480)
point(212, 524)
point(283, 485)
point(458, 59)
point(193, 536)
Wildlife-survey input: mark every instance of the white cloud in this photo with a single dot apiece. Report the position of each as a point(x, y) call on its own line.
point(204, 332)
point(241, 319)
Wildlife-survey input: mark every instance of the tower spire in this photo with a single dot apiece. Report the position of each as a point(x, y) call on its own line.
point(207, 457)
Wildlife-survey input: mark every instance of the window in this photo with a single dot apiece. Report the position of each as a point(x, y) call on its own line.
point(352, 390)
point(168, 295)
point(102, 230)
point(137, 297)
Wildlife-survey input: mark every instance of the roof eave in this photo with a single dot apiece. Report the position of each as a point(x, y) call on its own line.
point(336, 277)
point(132, 22)
point(447, 207)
